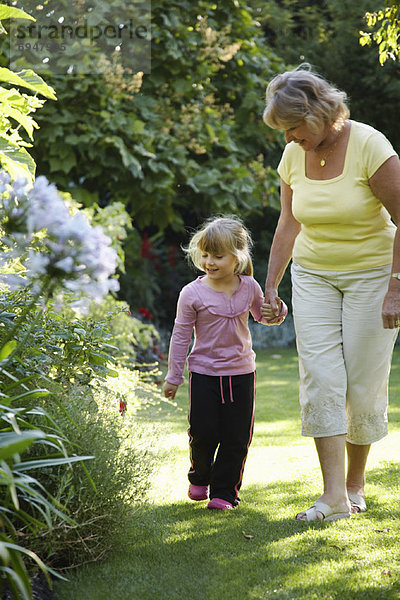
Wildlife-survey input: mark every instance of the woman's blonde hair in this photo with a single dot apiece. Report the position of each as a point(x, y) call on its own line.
point(301, 96)
point(220, 235)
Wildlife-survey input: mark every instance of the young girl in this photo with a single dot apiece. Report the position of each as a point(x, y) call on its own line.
point(222, 361)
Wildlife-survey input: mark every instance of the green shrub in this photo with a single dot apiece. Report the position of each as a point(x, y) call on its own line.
point(102, 494)
point(87, 388)
point(134, 340)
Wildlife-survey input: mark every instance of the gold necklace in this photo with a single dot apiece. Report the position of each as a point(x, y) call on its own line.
point(331, 148)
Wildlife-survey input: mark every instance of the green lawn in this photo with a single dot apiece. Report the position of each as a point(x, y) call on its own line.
point(175, 549)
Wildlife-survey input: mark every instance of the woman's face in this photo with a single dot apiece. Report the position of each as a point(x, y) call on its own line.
point(304, 137)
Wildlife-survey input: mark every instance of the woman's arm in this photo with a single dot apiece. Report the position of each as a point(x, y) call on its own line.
point(385, 185)
point(281, 250)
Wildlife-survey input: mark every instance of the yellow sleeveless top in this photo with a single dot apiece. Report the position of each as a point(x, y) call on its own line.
point(344, 227)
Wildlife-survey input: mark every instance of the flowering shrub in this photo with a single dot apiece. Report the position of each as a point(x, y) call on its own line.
point(53, 259)
point(57, 252)
point(52, 255)
point(59, 363)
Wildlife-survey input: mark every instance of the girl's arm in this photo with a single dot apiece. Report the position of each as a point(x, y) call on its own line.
point(385, 185)
point(180, 341)
point(281, 250)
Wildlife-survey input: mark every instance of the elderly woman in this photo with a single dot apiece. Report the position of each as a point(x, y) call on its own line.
point(340, 195)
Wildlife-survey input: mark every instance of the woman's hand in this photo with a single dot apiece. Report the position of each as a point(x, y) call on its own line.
point(274, 312)
point(391, 307)
point(273, 301)
point(169, 390)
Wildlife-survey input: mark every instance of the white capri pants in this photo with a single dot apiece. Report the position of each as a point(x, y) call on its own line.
point(344, 352)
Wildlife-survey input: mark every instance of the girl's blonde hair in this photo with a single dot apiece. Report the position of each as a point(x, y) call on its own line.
point(220, 235)
point(301, 96)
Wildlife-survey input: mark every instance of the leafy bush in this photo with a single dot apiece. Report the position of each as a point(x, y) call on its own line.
point(27, 507)
point(102, 494)
point(84, 395)
point(187, 138)
point(135, 341)
point(53, 256)
point(73, 361)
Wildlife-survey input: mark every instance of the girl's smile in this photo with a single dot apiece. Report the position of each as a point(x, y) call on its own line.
point(219, 267)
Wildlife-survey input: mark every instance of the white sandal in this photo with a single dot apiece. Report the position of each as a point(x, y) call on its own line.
point(327, 512)
point(357, 502)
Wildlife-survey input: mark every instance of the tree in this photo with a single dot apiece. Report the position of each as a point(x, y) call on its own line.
point(175, 145)
point(387, 35)
point(326, 34)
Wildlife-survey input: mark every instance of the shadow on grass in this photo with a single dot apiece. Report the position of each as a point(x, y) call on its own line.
point(182, 550)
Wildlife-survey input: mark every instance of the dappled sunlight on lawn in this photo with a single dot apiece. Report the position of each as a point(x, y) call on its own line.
point(257, 551)
point(278, 451)
point(394, 416)
point(254, 552)
point(276, 432)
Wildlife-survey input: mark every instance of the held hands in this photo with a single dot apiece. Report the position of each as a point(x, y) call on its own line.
point(274, 310)
point(169, 390)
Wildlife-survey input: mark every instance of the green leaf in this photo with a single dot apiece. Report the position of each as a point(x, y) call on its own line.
point(37, 393)
point(7, 349)
point(16, 160)
point(64, 164)
point(28, 79)
point(9, 12)
point(112, 373)
point(27, 122)
point(32, 556)
point(18, 580)
point(97, 358)
point(15, 443)
point(49, 462)
point(129, 161)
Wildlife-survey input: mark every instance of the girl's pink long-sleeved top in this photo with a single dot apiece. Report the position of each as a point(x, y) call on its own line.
point(222, 341)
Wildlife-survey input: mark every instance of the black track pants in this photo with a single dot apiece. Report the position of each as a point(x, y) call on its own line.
point(221, 416)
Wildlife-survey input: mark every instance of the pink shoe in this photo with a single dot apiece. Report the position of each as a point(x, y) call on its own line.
point(219, 504)
point(198, 492)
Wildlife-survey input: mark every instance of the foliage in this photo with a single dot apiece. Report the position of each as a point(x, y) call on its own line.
point(56, 354)
point(102, 496)
point(26, 504)
point(190, 134)
point(85, 390)
point(27, 507)
point(16, 108)
point(50, 248)
point(71, 37)
point(174, 145)
point(299, 30)
point(134, 338)
point(387, 31)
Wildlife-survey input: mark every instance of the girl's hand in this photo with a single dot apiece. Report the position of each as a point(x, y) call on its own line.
point(269, 312)
point(169, 390)
point(272, 299)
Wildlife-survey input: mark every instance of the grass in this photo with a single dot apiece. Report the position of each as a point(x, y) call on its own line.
point(175, 549)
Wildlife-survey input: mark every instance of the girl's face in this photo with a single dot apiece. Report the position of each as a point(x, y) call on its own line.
point(219, 267)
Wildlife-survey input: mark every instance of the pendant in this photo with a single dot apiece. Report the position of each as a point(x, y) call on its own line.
point(323, 162)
